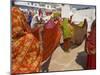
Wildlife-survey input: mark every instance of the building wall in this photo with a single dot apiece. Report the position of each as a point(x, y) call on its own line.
point(65, 11)
point(80, 15)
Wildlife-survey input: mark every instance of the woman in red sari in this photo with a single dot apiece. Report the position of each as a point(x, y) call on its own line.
point(91, 47)
point(26, 55)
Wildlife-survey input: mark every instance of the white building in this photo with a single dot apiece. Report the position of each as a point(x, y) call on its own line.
point(80, 15)
point(65, 11)
point(37, 5)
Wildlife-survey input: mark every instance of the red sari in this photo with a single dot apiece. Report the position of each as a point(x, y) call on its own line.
point(91, 48)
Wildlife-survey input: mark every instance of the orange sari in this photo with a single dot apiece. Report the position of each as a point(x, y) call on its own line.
point(26, 56)
point(51, 39)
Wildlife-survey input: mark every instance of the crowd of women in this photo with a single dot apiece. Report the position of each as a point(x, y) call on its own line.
point(34, 40)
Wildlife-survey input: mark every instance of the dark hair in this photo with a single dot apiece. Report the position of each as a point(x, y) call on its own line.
point(12, 3)
point(62, 4)
point(93, 24)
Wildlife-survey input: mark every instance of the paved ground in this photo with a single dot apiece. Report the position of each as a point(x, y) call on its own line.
point(74, 60)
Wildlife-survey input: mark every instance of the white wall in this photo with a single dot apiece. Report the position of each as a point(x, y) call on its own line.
point(89, 14)
point(65, 11)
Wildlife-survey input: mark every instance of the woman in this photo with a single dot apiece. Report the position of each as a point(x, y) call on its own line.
point(30, 18)
point(50, 40)
point(26, 55)
point(91, 47)
point(67, 30)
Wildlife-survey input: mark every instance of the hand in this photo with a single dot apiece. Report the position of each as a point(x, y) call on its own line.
point(88, 33)
point(87, 51)
point(93, 51)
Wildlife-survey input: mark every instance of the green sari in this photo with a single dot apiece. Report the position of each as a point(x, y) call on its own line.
point(67, 29)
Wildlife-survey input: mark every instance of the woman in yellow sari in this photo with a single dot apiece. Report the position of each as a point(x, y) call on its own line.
point(26, 55)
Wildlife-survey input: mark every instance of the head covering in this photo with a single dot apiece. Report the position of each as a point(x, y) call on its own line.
point(56, 14)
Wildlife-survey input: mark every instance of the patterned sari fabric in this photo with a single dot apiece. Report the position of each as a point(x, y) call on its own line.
point(51, 38)
point(26, 55)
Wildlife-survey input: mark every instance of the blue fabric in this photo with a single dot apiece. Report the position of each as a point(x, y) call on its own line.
point(30, 19)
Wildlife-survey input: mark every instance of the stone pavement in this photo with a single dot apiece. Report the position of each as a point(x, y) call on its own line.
point(73, 60)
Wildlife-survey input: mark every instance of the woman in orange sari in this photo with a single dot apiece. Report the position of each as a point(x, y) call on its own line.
point(91, 47)
point(26, 55)
point(51, 35)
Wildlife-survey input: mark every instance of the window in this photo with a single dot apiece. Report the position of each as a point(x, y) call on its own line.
point(28, 3)
point(48, 6)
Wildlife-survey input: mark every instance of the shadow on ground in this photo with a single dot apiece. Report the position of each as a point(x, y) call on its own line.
point(81, 59)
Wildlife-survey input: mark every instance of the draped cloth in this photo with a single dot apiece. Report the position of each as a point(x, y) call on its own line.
point(67, 29)
point(91, 48)
point(51, 38)
point(26, 56)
